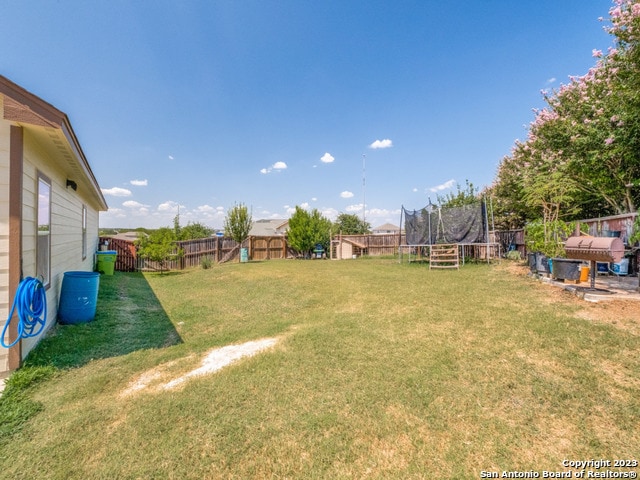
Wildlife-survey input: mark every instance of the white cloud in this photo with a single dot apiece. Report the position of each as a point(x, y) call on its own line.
point(205, 209)
point(551, 80)
point(444, 186)
point(386, 143)
point(346, 194)
point(114, 213)
point(375, 216)
point(330, 213)
point(414, 189)
point(381, 212)
point(116, 192)
point(327, 158)
point(139, 183)
point(133, 204)
point(170, 157)
point(169, 206)
point(379, 216)
point(276, 166)
point(206, 214)
point(314, 199)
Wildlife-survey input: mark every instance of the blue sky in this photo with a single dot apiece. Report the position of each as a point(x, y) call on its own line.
point(200, 105)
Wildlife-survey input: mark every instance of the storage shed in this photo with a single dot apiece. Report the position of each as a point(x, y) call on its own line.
point(49, 205)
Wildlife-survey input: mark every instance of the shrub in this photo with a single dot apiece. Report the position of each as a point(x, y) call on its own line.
point(206, 262)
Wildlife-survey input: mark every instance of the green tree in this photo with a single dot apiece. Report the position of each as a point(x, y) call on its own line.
point(193, 231)
point(306, 229)
point(351, 224)
point(159, 246)
point(176, 226)
point(237, 223)
point(583, 149)
point(468, 196)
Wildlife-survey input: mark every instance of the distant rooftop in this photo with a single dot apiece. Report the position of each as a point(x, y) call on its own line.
point(386, 228)
point(268, 228)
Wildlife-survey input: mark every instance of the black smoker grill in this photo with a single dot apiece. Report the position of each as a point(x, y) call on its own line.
point(595, 249)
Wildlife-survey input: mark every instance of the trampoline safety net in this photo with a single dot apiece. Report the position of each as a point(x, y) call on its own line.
point(431, 225)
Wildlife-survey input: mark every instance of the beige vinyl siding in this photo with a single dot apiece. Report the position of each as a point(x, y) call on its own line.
point(49, 149)
point(4, 233)
point(34, 156)
point(66, 227)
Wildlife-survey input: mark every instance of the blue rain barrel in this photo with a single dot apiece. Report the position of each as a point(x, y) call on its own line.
point(78, 297)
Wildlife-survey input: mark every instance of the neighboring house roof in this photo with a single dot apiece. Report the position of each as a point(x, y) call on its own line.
point(130, 236)
point(52, 128)
point(267, 228)
point(386, 228)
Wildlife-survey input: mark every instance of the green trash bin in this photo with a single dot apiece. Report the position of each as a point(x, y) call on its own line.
point(106, 261)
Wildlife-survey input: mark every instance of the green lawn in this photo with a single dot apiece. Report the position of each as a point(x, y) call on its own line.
point(380, 370)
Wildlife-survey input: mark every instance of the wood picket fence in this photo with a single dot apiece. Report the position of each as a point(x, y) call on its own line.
point(223, 249)
point(215, 249)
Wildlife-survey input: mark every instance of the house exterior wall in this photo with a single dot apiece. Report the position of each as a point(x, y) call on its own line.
point(4, 234)
point(37, 139)
point(66, 227)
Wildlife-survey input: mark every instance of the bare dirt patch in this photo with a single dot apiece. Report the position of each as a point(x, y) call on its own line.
point(620, 313)
point(161, 378)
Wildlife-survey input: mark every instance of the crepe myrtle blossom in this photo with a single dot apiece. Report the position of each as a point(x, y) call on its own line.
point(587, 115)
point(624, 15)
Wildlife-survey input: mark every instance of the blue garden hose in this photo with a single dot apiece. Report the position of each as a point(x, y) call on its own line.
point(31, 302)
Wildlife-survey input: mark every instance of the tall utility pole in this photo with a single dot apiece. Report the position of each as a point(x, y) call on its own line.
point(364, 195)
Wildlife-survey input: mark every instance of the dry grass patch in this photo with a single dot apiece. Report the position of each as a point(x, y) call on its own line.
point(383, 371)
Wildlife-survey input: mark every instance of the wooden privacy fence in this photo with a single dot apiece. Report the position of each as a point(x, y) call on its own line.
point(217, 249)
point(126, 260)
point(222, 249)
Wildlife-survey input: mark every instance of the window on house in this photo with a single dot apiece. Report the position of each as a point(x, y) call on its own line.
point(84, 232)
point(43, 240)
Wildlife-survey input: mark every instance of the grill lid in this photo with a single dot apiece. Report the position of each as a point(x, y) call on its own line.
point(601, 249)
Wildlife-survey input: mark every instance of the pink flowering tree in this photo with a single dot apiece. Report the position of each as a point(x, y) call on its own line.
point(583, 150)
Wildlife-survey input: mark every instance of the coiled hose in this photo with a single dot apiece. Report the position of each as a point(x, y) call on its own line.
point(31, 302)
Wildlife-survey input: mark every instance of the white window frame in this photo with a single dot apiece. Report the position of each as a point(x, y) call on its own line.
point(43, 229)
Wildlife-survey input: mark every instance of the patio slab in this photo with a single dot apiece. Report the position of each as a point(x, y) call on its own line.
point(608, 287)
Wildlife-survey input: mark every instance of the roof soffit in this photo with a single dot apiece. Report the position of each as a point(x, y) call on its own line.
point(52, 130)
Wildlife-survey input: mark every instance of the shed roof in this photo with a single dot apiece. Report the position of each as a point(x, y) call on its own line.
point(51, 128)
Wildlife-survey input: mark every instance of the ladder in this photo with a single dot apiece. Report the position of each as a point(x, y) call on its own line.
point(444, 256)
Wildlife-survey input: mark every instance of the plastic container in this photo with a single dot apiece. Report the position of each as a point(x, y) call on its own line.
point(106, 261)
point(542, 263)
point(584, 273)
point(566, 269)
point(621, 268)
point(78, 297)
